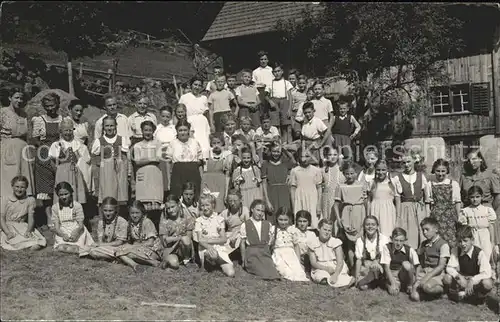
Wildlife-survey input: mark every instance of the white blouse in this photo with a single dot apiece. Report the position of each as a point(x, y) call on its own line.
point(165, 134)
point(194, 105)
point(79, 148)
point(96, 147)
point(189, 151)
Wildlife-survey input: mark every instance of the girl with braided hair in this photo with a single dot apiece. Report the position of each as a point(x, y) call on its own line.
point(111, 231)
point(247, 178)
point(143, 245)
point(368, 253)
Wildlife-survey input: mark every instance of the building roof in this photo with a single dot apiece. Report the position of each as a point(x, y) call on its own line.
point(251, 17)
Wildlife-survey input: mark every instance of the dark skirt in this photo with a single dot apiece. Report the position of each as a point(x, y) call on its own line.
point(260, 263)
point(344, 143)
point(183, 172)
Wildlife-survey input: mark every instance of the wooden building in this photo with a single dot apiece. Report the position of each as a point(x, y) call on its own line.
point(461, 111)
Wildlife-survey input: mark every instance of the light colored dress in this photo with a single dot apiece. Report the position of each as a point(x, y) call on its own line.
point(480, 218)
point(382, 205)
point(366, 178)
point(306, 181)
point(149, 179)
point(16, 212)
point(81, 133)
point(165, 135)
point(181, 226)
point(113, 167)
point(233, 225)
point(352, 198)
point(68, 218)
point(325, 255)
point(13, 131)
point(68, 156)
point(211, 227)
point(285, 259)
point(115, 230)
point(196, 106)
point(251, 187)
point(331, 178)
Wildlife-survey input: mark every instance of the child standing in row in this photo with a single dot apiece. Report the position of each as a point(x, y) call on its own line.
point(280, 94)
point(444, 198)
point(305, 187)
point(219, 104)
point(332, 178)
point(368, 173)
point(275, 179)
point(246, 128)
point(342, 129)
point(247, 178)
point(247, 97)
point(384, 199)
point(410, 185)
point(297, 97)
point(112, 150)
point(350, 201)
point(481, 219)
point(285, 249)
point(215, 170)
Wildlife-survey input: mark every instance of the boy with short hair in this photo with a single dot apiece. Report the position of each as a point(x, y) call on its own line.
point(265, 135)
point(469, 271)
point(434, 253)
point(211, 85)
point(219, 105)
point(231, 86)
point(247, 97)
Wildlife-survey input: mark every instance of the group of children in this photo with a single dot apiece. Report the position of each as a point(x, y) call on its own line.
point(279, 193)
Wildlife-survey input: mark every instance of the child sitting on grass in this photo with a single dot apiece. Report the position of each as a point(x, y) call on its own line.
point(143, 244)
point(111, 231)
point(468, 272)
point(176, 231)
point(434, 253)
point(67, 215)
point(210, 234)
point(327, 258)
point(399, 262)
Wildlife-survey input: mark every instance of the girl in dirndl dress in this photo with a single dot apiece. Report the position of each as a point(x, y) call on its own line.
point(285, 248)
point(111, 231)
point(68, 153)
point(368, 173)
point(186, 156)
point(176, 232)
point(411, 186)
point(255, 238)
point(71, 235)
point(216, 167)
point(112, 151)
point(148, 176)
point(445, 200)
point(247, 178)
point(45, 132)
point(143, 245)
point(15, 210)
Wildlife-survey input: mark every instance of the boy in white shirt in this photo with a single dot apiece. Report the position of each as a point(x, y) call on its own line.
point(265, 135)
point(264, 73)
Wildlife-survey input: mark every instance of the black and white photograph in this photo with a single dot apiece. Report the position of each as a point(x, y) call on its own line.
point(249, 161)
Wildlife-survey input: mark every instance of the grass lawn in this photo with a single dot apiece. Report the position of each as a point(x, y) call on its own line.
point(52, 286)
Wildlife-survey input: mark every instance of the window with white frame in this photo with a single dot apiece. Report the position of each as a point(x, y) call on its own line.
point(451, 99)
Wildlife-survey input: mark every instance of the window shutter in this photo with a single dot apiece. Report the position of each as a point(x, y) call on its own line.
point(480, 98)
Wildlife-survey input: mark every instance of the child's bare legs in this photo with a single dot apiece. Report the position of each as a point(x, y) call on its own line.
point(170, 260)
point(35, 247)
point(286, 133)
point(227, 268)
point(186, 247)
point(129, 262)
point(96, 254)
point(70, 249)
point(480, 290)
point(432, 287)
point(351, 257)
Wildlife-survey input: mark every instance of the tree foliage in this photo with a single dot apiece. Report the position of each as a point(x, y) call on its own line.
point(75, 28)
point(360, 41)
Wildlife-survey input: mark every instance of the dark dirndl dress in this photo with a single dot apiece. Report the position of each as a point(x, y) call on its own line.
point(445, 213)
point(259, 261)
point(45, 174)
point(183, 172)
